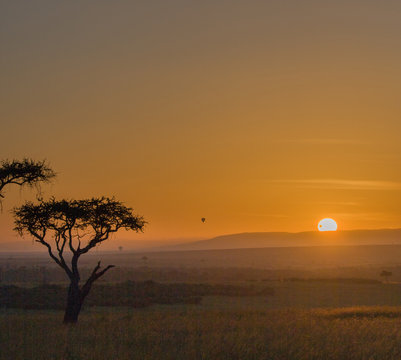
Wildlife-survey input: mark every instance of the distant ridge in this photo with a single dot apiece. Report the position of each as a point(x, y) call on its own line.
point(285, 239)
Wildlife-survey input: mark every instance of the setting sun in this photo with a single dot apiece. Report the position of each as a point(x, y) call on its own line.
point(164, 167)
point(327, 225)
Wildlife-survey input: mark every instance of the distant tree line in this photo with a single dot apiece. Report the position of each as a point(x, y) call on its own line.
point(337, 280)
point(37, 275)
point(127, 294)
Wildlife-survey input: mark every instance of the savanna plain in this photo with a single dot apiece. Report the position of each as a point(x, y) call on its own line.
point(154, 311)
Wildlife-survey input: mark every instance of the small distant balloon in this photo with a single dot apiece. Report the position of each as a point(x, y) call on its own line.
point(203, 220)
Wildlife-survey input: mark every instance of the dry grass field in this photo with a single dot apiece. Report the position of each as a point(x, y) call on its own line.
point(336, 313)
point(190, 332)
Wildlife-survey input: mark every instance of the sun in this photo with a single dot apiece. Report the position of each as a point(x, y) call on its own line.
point(327, 225)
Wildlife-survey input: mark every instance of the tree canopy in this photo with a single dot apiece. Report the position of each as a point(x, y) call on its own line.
point(78, 224)
point(26, 172)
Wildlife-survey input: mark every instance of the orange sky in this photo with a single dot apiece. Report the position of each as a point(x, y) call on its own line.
point(258, 115)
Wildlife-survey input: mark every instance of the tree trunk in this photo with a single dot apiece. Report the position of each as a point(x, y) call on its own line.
point(74, 304)
point(77, 295)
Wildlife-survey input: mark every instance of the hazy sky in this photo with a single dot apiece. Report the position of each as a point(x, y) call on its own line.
point(258, 115)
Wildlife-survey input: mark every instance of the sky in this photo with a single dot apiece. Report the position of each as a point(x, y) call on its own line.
point(257, 115)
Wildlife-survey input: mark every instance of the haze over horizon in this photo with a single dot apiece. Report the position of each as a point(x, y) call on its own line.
point(247, 240)
point(259, 116)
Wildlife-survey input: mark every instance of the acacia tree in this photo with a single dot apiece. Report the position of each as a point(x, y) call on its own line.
point(386, 274)
point(25, 172)
point(71, 228)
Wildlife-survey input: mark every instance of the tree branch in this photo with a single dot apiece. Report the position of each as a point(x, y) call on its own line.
point(74, 265)
point(92, 278)
point(60, 262)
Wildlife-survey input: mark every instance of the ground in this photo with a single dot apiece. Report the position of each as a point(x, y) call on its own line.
point(208, 331)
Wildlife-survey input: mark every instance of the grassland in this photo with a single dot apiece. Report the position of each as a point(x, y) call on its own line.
point(317, 315)
point(305, 257)
point(302, 320)
point(190, 332)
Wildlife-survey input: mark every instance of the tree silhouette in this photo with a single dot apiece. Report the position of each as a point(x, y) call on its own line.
point(25, 172)
point(386, 274)
point(72, 228)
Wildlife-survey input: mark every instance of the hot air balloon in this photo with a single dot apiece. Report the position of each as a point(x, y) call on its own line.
point(203, 220)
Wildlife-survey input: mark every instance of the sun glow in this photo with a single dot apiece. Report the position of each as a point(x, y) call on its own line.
point(327, 225)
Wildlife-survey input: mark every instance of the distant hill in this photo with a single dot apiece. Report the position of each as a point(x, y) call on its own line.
point(283, 239)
